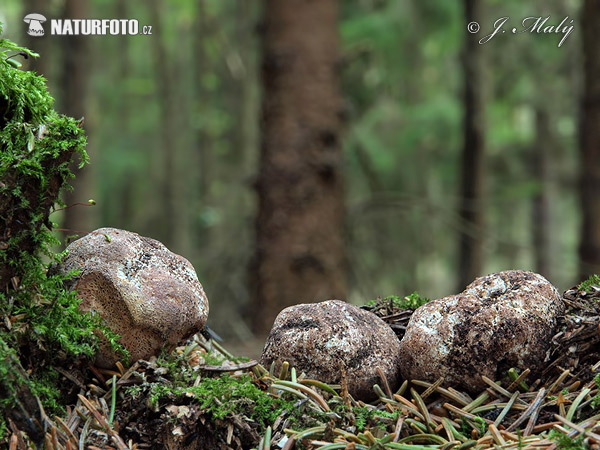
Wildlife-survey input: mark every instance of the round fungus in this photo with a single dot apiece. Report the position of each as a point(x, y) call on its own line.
point(148, 295)
point(326, 339)
point(499, 321)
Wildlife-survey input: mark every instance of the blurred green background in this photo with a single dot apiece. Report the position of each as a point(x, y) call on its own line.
point(193, 89)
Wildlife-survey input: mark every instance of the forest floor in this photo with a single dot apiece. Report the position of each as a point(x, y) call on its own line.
point(202, 397)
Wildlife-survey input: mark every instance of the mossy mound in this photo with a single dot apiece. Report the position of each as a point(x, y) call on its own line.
point(42, 330)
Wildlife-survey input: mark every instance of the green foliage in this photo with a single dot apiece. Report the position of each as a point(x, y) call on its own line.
point(134, 390)
point(412, 301)
point(226, 395)
point(177, 367)
point(586, 285)
point(49, 317)
point(3, 430)
point(26, 98)
point(477, 423)
point(46, 324)
point(7, 354)
point(596, 399)
point(363, 416)
point(45, 387)
point(564, 442)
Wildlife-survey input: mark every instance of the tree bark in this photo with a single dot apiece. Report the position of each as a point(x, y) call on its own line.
point(300, 254)
point(471, 208)
point(73, 102)
point(589, 246)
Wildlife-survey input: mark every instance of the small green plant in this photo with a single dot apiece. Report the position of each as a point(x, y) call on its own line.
point(412, 301)
point(226, 395)
point(134, 391)
point(477, 423)
point(586, 285)
point(565, 442)
point(596, 399)
point(3, 430)
point(363, 416)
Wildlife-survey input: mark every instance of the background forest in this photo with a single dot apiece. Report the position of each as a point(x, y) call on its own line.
point(174, 134)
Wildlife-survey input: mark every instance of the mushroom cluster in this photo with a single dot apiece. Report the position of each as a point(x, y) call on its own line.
point(500, 321)
point(152, 298)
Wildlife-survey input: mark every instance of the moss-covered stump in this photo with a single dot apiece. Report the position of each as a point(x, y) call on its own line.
point(43, 334)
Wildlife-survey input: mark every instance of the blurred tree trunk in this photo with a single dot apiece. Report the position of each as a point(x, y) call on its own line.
point(542, 149)
point(246, 80)
point(126, 189)
point(203, 29)
point(471, 208)
point(74, 82)
point(589, 246)
point(300, 254)
point(168, 221)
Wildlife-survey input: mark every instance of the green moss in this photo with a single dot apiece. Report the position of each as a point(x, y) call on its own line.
point(596, 399)
point(3, 430)
point(364, 416)
point(214, 360)
point(26, 99)
point(361, 418)
point(226, 395)
point(7, 354)
point(44, 386)
point(45, 324)
point(134, 391)
point(412, 301)
point(477, 423)
point(178, 368)
point(565, 442)
point(586, 285)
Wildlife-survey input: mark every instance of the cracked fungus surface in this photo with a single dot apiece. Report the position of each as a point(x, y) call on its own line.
point(320, 339)
point(144, 292)
point(499, 321)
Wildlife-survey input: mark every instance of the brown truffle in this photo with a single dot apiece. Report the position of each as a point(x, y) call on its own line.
point(148, 295)
point(321, 338)
point(499, 321)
